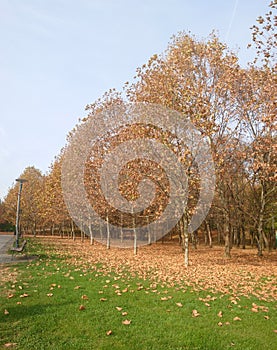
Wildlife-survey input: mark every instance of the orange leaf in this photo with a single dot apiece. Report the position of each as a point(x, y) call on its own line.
point(9, 345)
point(195, 313)
point(126, 322)
point(25, 295)
point(82, 307)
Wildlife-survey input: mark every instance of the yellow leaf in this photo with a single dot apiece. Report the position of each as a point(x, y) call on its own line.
point(126, 322)
point(195, 313)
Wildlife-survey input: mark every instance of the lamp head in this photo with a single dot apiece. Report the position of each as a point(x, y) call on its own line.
point(21, 180)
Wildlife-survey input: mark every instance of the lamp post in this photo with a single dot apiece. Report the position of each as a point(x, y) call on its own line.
point(21, 181)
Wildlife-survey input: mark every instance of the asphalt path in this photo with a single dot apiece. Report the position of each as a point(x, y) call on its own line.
point(6, 242)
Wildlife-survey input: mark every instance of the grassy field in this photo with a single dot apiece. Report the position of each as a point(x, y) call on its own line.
point(60, 301)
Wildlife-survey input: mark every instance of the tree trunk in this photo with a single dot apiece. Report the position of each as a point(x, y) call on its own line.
point(185, 238)
point(260, 222)
point(227, 237)
point(209, 233)
point(91, 234)
point(243, 236)
point(72, 230)
point(108, 233)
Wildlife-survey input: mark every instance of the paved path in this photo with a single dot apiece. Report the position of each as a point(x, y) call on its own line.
point(6, 242)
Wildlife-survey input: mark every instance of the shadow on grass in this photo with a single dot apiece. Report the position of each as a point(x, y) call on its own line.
point(20, 312)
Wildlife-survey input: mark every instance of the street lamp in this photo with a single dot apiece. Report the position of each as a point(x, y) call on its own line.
point(21, 181)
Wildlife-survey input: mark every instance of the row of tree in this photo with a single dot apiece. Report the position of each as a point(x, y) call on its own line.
point(234, 108)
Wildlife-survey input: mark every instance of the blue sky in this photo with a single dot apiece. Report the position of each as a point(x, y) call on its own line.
point(56, 56)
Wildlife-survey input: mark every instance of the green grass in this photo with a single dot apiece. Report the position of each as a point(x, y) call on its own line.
point(55, 322)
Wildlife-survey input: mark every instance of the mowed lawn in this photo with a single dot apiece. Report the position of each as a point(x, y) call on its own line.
point(63, 300)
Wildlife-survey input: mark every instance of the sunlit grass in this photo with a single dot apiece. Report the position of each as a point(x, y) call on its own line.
point(49, 315)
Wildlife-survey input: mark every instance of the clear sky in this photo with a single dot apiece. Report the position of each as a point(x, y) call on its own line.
point(56, 56)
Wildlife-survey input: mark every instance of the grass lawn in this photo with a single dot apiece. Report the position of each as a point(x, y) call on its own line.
point(53, 303)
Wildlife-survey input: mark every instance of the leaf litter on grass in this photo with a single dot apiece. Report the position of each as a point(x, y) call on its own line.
point(243, 275)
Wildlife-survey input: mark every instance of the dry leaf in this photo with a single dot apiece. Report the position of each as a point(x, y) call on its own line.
point(6, 312)
point(9, 345)
point(266, 317)
point(77, 287)
point(254, 309)
point(50, 294)
point(82, 307)
point(109, 332)
point(164, 298)
point(195, 313)
point(179, 304)
point(124, 313)
point(126, 322)
point(220, 324)
point(220, 314)
point(118, 308)
point(10, 296)
point(85, 297)
point(236, 319)
point(25, 295)
point(103, 299)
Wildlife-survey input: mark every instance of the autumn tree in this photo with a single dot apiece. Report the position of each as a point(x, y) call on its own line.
point(30, 200)
point(195, 78)
point(256, 99)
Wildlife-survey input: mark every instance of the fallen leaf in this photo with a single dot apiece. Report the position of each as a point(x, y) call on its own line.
point(254, 309)
point(9, 345)
point(82, 307)
point(179, 304)
point(220, 324)
point(266, 317)
point(164, 298)
point(6, 312)
point(10, 296)
point(118, 308)
point(124, 313)
point(195, 313)
point(126, 322)
point(50, 294)
point(109, 332)
point(85, 297)
point(236, 319)
point(77, 287)
point(103, 299)
point(220, 314)
point(25, 295)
